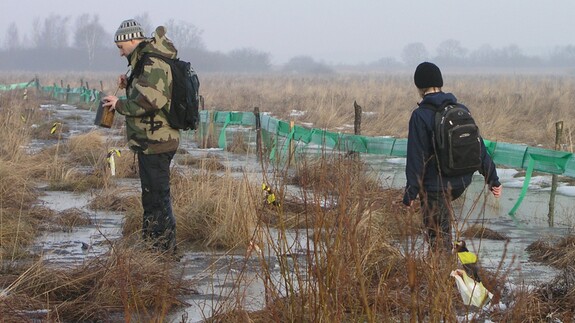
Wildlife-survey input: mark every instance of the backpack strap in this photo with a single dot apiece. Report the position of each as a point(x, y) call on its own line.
point(139, 67)
point(436, 134)
point(168, 60)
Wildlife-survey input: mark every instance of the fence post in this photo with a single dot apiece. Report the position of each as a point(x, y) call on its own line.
point(356, 127)
point(357, 119)
point(551, 214)
point(67, 92)
point(291, 153)
point(258, 133)
point(210, 130)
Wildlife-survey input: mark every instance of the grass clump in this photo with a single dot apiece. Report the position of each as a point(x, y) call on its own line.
point(128, 283)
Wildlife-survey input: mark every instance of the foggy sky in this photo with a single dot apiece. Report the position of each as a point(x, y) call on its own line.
point(331, 31)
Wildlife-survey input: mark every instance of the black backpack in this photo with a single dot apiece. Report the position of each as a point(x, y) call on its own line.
point(456, 139)
point(184, 108)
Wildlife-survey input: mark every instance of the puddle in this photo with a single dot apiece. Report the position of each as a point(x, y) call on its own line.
point(68, 249)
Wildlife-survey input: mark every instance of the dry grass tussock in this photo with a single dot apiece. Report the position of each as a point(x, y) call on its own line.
point(79, 163)
point(477, 231)
point(128, 282)
point(558, 252)
point(117, 199)
point(216, 210)
point(209, 162)
point(212, 210)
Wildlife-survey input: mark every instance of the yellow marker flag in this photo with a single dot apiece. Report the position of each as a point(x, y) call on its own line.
point(270, 196)
point(54, 127)
point(111, 161)
point(467, 257)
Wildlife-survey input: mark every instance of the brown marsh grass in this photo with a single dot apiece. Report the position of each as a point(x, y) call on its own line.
point(18, 174)
point(116, 199)
point(554, 251)
point(211, 210)
point(210, 162)
point(348, 265)
point(359, 257)
point(214, 209)
point(499, 103)
point(130, 280)
point(356, 256)
point(79, 163)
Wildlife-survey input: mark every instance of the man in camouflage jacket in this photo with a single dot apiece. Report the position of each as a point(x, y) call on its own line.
point(149, 135)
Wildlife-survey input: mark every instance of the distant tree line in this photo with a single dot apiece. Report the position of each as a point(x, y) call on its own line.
point(57, 43)
point(451, 53)
point(54, 46)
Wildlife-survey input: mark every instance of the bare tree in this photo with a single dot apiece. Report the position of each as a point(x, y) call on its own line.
point(563, 56)
point(185, 34)
point(483, 55)
point(53, 33)
point(306, 64)
point(451, 51)
point(249, 60)
point(146, 23)
point(12, 40)
point(414, 53)
point(90, 35)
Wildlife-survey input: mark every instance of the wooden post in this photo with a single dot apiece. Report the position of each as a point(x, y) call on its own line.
point(291, 144)
point(67, 92)
point(101, 86)
point(258, 133)
point(357, 119)
point(551, 214)
point(210, 134)
point(356, 127)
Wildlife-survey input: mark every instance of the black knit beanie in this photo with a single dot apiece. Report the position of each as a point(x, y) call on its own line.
point(427, 75)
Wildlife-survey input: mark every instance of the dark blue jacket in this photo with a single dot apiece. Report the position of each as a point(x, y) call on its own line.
point(421, 169)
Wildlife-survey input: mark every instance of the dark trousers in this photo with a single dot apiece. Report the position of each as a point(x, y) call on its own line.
point(437, 216)
point(159, 225)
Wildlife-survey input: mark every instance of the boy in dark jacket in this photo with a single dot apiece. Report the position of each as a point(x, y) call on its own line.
point(423, 176)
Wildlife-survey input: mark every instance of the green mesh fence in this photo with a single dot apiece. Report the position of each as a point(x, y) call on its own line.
point(278, 136)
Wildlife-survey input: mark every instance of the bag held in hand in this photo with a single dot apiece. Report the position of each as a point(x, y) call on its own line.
point(104, 117)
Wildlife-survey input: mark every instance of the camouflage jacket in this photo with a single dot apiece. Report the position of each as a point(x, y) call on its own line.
point(147, 128)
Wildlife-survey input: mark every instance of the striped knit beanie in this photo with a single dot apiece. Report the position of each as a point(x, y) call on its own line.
point(128, 30)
